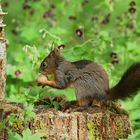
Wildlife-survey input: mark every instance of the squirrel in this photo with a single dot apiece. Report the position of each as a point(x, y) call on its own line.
point(88, 78)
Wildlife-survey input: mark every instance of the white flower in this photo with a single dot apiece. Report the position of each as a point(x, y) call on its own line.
point(31, 57)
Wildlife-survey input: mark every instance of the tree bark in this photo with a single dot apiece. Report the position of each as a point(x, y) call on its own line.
point(93, 123)
point(2, 56)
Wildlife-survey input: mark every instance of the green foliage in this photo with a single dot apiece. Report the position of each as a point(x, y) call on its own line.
point(11, 119)
point(26, 135)
point(105, 31)
point(52, 101)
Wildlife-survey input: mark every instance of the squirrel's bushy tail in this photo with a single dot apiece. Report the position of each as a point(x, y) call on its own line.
point(128, 85)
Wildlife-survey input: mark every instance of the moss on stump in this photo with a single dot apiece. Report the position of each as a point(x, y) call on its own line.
point(97, 122)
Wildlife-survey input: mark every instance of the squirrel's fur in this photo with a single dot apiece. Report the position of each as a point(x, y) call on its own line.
point(89, 78)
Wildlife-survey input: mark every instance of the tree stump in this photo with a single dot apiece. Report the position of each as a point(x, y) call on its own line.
point(2, 56)
point(93, 123)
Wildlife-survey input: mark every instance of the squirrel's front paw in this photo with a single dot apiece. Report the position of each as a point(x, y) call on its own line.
point(42, 80)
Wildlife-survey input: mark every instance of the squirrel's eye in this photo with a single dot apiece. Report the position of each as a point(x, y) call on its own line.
point(44, 64)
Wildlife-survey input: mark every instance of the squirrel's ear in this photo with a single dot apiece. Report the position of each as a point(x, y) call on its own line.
point(57, 50)
point(60, 47)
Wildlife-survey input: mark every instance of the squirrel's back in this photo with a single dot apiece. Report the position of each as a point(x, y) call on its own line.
point(93, 80)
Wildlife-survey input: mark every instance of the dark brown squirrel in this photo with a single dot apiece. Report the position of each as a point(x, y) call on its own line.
point(88, 78)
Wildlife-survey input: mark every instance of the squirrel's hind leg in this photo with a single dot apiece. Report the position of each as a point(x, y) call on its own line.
point(85, 102)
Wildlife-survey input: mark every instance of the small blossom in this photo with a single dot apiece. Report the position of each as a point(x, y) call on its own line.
point(6, 115)
point(14, 32)
point(31, 57)
point(48, 13)
point(13, 20)
point(62, 46)
point(114, 62)
point(5, 4)
point(26, 5)
point(79, 32)
point(72, 17)
point(25, 48)
point(113, 55)
point(132, 10)
point(17, 73)
point(130, 25)
point(94, 18)
point(132, 3)
point(30, 85)
point(85, 2)
point(105, 21)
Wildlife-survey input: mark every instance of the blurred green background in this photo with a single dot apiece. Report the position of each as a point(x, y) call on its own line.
point(105, 31)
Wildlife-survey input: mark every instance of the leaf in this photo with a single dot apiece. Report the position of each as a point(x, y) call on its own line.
point(37, 136)
point(14, 136)
point(104, 35)
point(27, 135)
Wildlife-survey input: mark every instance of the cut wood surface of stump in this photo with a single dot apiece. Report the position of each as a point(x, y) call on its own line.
point(93, 123)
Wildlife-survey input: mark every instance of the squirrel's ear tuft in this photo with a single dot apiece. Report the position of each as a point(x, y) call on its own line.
point(56, 51)
point(60, 47)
